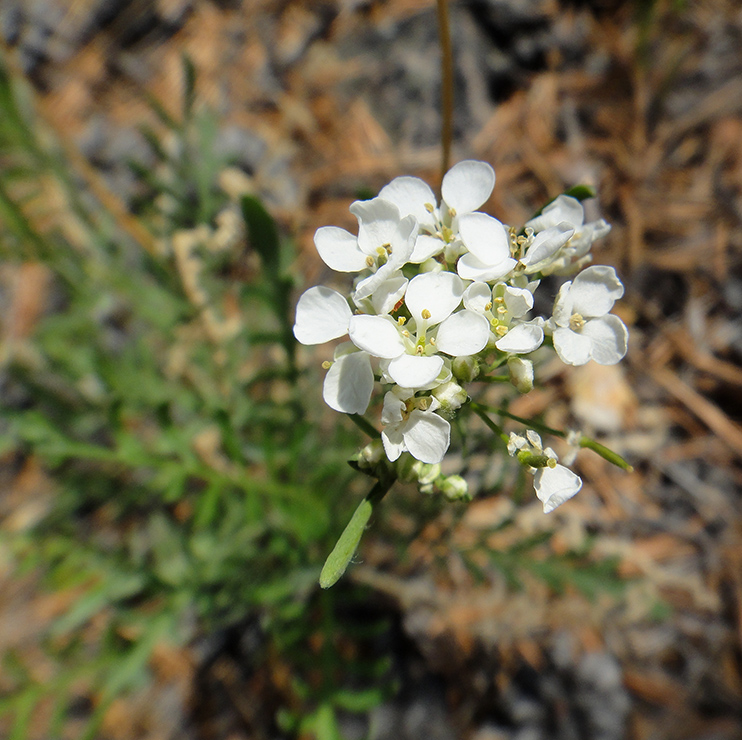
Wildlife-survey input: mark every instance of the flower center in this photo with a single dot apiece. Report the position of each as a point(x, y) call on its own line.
point(576, 322)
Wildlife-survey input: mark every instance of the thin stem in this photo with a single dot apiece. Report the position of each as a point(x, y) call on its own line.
point(444, 33)
point(586, 442)
point(364, 425)
point(537, 425)
point(481, 412)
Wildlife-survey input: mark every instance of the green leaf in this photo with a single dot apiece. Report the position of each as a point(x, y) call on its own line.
point(358, 701)
point(324, 723)
point(341, 555)
point(189, 87)
point(262, 233)
point(581, 192)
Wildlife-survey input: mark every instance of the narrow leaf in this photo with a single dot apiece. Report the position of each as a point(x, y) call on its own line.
point(263, 234)
point(340, 557)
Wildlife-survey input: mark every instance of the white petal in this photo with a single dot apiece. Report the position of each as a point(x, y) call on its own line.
point(470, 268)
point(377, 335)
point(556, 485)
point(391, 413)
point(546, 244)
point(485, 237)
point(322, 314)
point(477, 296)
point(563, 305)
point(410, 194)
point(339, 249)
point(467, 185)
point(609, 339)
point(426, 246)
point(388, 294)
point(562, 208)
point(463, 333)
point(518, 301)
point(402, 242)
point(427, 436)
point(414, 371)
point(582, 241)
point(377, 221)
point(393, 442)
point(595, 290)
point(572, 348)
point(521, 339)
point(438, 292)
point(349, 383)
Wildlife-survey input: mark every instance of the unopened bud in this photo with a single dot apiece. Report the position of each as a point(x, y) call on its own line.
point(535, 461)
point(451, 395)
point(521, 374)
point(465, 368)
point(427, 473)
point(454, 488)
point(371, 454)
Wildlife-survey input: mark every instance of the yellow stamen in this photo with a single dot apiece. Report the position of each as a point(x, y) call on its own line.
point(576, 322)
point(426, 314)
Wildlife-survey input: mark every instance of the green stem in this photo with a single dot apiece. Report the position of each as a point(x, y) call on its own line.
point(492, 379)
point(481, 412)
point(364, 425)
point(444, 33)
point(606, 454)
point(587, 442)
point(537, 425)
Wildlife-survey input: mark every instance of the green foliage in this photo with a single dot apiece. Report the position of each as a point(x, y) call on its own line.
point(161, 395)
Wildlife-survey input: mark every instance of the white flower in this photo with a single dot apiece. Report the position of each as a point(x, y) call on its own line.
point(465, 187)
point(554, 484)
point(411, 425)
point(542, 248)
point(581, 328)
point(413, 351)
point(383, 246)
point(503, 306)
point(567, 210)
point(323, 314)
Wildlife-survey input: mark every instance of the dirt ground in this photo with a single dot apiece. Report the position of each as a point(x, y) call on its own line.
point(642, 100)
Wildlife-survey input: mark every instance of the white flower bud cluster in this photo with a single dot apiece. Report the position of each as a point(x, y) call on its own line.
point(442, 290)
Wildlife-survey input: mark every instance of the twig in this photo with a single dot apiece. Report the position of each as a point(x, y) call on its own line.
point(444, 33)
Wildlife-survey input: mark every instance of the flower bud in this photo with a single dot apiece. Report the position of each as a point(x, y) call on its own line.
point(451, 396)
point(521, 374)
point(465, 368)
point(371, 454)
point(454, 488)
point(405, 466)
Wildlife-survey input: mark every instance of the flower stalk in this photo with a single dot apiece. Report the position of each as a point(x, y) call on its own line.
point(444, 35)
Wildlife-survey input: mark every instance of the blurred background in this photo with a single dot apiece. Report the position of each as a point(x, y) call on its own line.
point(171, 480)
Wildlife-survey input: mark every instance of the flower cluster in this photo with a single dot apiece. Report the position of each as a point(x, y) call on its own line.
point(442, 291)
